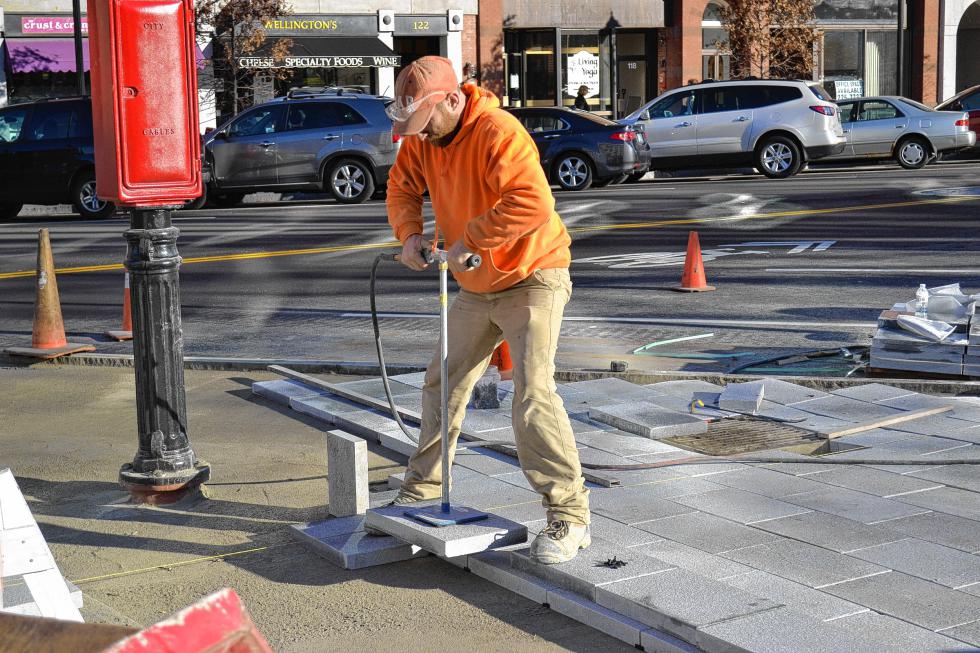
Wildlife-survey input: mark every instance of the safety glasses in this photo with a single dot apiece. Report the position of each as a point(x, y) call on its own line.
point(402, 112)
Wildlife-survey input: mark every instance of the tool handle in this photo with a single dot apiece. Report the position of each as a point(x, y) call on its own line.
point(473, 262)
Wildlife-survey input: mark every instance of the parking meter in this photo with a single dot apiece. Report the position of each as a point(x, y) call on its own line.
point(144, 100)
point(148, 158)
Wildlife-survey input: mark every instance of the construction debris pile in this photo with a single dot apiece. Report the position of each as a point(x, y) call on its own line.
point(938, 334)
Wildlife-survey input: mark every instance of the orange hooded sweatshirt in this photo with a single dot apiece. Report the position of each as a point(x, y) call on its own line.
point(487, 187)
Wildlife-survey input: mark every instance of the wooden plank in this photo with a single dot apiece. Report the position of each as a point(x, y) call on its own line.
point(40, 635)
point(890, 421)
point(600, 478)
point(51, 595)
point(14, 512)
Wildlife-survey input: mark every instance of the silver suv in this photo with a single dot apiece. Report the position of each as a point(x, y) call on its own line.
point(326, 140)
point(774, 125)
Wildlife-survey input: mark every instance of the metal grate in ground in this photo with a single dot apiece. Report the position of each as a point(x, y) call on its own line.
point(737, 435)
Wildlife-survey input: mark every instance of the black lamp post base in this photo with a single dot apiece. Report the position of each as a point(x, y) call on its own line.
point(158, 487)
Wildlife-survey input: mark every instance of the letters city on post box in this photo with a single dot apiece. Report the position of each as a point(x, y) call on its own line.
point(144, 101)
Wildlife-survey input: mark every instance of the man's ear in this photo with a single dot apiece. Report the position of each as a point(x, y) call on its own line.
point(455, 100)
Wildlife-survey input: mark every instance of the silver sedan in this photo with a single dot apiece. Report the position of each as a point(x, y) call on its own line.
point(890, 127)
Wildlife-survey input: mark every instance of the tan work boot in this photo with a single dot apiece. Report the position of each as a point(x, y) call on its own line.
point(400, 500)
point(560, 542)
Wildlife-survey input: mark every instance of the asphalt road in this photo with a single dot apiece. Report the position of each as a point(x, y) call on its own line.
point(799, 264)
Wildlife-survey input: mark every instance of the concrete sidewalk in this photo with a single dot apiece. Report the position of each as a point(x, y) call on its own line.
point(64, 431)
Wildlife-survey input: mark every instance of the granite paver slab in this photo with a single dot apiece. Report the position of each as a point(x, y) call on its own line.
point(706, 532)
point(805, 600)
point(896, 633)
point(648, 420)
point(631, 505)
point(594, 615)
point(612, 390)
point(449, 541)
point(783, 631)
point(486, 462)
point(949, 500)
point(787, 394)
point(873, 481)
point(585, 573)
point(614, 532)
point(969, 633)
point(857, 506)
point(742, 397)
point(495, 566)
point(323, 407)
point(964, 477)
point(925, 560)
point(948, 530)
point(282, 390)
point(831, 531)
point(911, 599)
point(679, 602)
point(804, 563)
point(479, 421)
point(972, 590)
point(740, 506)
point(700, 562)
point(489, 493)
point(848, 410)
point(871, 392)
point(355, 549)
point(522, 513)
point(623, 444)
point(769, 482)
point(684, 388)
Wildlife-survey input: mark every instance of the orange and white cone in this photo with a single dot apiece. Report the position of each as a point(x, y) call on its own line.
point(501, 359)
point(126, 332)
point(693, 279)
point(48, 335)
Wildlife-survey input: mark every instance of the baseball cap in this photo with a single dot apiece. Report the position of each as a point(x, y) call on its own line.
point(420, 86)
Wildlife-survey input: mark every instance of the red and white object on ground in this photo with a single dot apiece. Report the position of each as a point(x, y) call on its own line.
point(218, 623)
point(501, 360)
point(126, 332)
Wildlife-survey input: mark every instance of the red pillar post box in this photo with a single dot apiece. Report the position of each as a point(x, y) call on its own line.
point(148, 158)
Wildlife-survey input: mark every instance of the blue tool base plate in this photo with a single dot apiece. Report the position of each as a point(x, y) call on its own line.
point(436, 516)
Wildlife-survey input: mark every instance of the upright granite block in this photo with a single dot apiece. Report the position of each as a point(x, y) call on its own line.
point(742, 397)
point(448, 541)
point(648, 420)
point(679, 602)
point(586, 572)
point(347, 474)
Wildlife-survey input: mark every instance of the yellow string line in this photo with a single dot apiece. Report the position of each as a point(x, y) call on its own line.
point(179, 564)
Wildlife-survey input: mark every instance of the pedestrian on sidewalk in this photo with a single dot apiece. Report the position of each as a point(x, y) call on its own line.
point(490, 197)
point(581, 103)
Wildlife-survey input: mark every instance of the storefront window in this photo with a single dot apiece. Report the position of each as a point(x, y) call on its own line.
point(859, 62)
point(715, 62)
point(581, 65)
point(539, 68)
point(632, 75)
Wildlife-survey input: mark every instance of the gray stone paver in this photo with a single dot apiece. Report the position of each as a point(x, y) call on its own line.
point(972, 590)
point(873, 481)
point(623, 444)
point(969, 633)
point(940, 528)
point(784, 631)
point(785, 393)
point(911, 599)
point(949, 500)
point(631, 505)
point(770, 482)
point(895, 632)
point(282, 390)
point(925, 560)
point(964, 477)
point(831, 531)
point(854, 505)
point(614, 532)
point(804, 563)
point(740, 506)
point(871, 392)
point(585, 574)
point(915, 401)
point(679, 602)
point(684, 389)
point(849, 410)
point(805, 600)
point(706, 532)
point(695, 560)
point(648, 420)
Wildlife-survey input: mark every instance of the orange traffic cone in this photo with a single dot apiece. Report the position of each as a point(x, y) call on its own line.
point(126, 333)
point(48, 337)
point(501, 359)
point(693, 278)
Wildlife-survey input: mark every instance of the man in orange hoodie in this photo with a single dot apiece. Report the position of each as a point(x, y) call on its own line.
point(490, 197)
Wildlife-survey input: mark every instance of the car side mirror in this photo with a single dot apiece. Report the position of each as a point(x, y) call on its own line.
point(645, 115)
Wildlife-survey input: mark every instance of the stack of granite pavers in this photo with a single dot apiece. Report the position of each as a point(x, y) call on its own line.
point(724, 555)
point(896, 347)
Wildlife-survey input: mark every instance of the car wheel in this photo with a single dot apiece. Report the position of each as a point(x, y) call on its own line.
point(573, 172)
point(225, 200)
point(912, 153)
point(635, 177)
point(86, 202)
point(9, 211)
point(778, 157)
point(349, 181)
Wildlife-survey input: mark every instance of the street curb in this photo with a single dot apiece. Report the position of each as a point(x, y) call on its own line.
point(228, 364)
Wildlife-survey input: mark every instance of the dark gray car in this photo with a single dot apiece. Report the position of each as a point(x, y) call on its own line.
point(324, 140)
point(579, 149)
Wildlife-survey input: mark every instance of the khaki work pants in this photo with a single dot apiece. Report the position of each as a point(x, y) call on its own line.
point(528, 315)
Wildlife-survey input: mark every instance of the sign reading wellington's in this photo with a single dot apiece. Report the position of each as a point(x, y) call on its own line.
point(319, 62)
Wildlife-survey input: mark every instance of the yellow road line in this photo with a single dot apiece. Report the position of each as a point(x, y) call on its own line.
point(574, 230)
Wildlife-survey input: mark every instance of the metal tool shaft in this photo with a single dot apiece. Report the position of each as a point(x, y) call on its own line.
point(444, 374)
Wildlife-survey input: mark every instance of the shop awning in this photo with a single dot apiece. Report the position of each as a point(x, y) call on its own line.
point(324, 52)
point(44, 55)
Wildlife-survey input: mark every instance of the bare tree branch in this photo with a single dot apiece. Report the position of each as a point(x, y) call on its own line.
point(770, 38)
